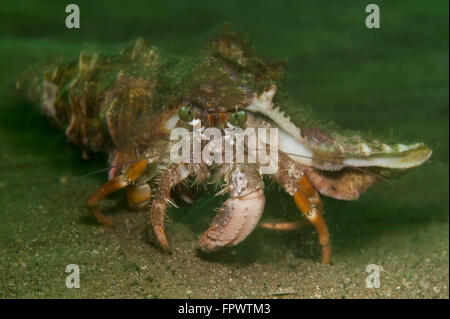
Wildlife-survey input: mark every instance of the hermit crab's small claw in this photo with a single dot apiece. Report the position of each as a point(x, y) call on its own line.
point(234, 222)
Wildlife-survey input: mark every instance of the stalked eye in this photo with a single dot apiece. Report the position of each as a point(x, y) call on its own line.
point(186, 114)
point(238, 118)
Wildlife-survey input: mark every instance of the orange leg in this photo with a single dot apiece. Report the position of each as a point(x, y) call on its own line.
point(286, 225)
point(174, 175)
point(308, 201)
point(114, 184)
point(292, 178)
point(138, 196)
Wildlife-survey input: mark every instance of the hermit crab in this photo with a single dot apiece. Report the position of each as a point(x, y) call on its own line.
point(128, 105)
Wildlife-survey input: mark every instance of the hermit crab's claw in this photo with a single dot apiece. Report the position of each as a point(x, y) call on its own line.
point(234, 222)
point(240, 214)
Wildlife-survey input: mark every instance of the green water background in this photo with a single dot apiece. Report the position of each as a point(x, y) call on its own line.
point(392, 81)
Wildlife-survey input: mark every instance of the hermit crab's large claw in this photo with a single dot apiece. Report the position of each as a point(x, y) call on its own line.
point(234, 222)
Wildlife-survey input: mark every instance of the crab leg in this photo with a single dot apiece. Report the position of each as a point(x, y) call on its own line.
point(308, 201)
point(292, 178)
point(132, 173)
point(240, 214)
point(138, 196)
point(286, 225)
point(174, 175)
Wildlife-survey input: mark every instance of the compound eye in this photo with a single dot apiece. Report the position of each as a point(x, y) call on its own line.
point(238, 118)
point(186, 114)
